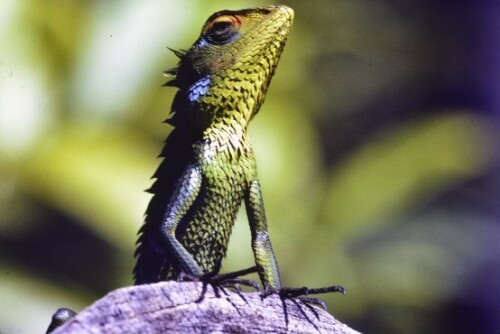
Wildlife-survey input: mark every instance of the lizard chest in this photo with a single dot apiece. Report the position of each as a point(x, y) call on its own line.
point(206, 229)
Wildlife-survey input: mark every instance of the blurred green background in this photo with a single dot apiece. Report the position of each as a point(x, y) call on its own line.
point(378, 153)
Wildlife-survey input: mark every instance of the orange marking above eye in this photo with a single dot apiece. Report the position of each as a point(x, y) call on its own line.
point(218, 23)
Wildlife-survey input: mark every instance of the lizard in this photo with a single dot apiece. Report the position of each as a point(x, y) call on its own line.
point(209, 167)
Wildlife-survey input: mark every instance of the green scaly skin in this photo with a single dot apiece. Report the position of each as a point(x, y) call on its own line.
point(209, 166)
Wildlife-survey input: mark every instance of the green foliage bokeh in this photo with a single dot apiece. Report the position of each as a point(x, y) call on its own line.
point(81, 111)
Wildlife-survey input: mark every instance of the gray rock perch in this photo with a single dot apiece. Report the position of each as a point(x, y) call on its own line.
point(173, 307)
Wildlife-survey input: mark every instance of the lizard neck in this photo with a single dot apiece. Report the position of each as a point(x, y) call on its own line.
point(222, 100)
point(227, 137)
point(222, 110)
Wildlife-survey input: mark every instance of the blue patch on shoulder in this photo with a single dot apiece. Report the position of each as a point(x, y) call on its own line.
point(199, 89)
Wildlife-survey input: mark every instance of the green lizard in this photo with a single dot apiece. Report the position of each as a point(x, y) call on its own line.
point(209, 166)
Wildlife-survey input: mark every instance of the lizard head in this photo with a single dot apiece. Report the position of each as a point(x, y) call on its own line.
point(230, 66)
point(242, 39)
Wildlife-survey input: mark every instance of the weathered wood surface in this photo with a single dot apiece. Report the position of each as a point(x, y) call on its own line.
point(172, 307)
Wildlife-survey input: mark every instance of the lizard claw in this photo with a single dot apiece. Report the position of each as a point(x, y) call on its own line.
point(303, 293)
point(233, 280)
point(230, 280)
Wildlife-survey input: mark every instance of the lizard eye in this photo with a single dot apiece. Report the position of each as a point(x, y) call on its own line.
point(222, 29)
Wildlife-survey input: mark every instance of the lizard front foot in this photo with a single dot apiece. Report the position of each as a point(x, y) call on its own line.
point(303, 293)
point(229, 280)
